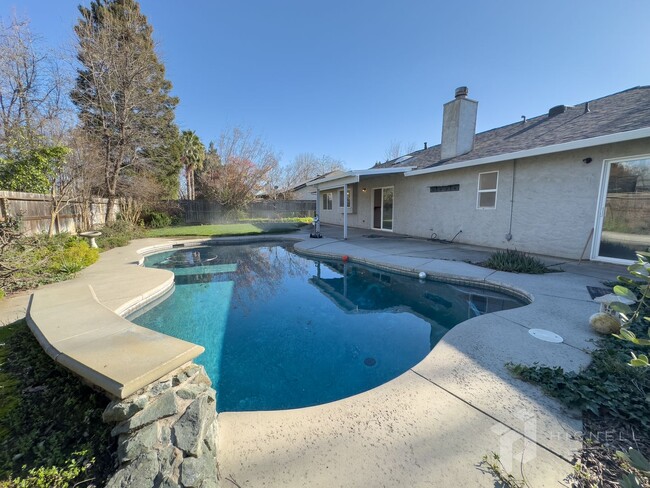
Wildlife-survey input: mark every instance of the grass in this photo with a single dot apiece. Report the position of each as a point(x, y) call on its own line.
point(241, 229)
point(51, 428)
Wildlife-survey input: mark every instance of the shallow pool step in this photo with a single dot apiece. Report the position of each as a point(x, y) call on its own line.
point(203, 270)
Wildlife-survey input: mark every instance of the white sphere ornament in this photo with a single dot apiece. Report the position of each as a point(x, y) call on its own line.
point(422, 275)
point(604, 323)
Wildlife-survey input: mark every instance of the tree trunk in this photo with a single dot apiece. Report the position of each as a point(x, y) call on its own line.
point(110, 209)
point(50, 232)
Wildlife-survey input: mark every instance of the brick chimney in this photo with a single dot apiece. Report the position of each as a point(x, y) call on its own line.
point(458, 125)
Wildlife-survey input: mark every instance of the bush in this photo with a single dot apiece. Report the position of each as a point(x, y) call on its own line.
point(157, 220)
point(515, 262)
point(76, 255)
point(31, 261)
point(118, 234)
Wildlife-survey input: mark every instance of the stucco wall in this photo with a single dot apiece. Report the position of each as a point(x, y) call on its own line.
point(553, 209)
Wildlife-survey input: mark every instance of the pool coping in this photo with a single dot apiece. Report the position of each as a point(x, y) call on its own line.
point(245, 436)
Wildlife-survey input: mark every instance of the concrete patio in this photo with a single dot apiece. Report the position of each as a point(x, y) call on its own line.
point(432, 425)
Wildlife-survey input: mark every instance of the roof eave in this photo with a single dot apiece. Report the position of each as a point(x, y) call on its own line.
point(355, 175)
point(539, 151)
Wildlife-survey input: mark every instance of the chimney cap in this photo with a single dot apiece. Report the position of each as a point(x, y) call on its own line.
point(461, 92)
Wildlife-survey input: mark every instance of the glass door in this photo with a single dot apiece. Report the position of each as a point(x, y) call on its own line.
point(382, 208)
point(624, 217)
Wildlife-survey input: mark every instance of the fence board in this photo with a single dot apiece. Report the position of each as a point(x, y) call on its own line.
point(209, 212)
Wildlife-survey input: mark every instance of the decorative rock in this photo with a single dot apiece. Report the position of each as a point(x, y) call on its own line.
point(130, 447)
point(190, 391)
point(192, 471)
point(191, 428)
point(160, 387)
point(164, 406)
point(604, 323)
point(170, 461)
point(202, 379)
point(139, 474)
point(117, 410)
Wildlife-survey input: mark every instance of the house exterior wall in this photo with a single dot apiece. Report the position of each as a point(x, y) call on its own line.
point(553, 202)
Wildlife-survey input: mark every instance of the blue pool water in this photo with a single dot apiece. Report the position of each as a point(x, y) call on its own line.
point(283, 331)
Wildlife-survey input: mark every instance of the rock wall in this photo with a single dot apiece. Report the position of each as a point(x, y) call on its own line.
point(167, 433)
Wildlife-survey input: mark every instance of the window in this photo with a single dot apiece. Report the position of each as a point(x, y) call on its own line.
point(487, 190)
point(327, 201)
point(349, 198)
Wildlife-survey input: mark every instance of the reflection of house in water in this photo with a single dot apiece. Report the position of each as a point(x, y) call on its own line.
point(357, 289)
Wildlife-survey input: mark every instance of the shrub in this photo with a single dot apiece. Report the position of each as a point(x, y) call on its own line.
point(76, 255)
point(157, 220)
point(515, 262)
point(118, 234)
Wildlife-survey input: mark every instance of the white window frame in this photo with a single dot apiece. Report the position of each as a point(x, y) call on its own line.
point(479, 191)
point(381, 215)
point(349, 199)
point(600, 209)
point(327, 198)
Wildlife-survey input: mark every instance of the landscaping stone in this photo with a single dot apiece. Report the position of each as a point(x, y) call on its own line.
point(130, 447)
point(120, 410)
point(191, 428)
point(192, 471)
point(168, 433)
point(163, 406)
point(138, 474)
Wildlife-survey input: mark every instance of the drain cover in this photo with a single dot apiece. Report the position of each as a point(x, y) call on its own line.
point(370, 361)
point(545, 335)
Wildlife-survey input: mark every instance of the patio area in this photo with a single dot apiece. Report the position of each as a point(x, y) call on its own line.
point(432, 425)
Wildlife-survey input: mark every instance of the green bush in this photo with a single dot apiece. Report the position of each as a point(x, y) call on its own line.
point(118, 234)
point(37, 260)
point(74, 257)
point(157, 220)
point(515, 262)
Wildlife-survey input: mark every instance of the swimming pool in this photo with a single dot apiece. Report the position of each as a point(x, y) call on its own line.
point(284, 331)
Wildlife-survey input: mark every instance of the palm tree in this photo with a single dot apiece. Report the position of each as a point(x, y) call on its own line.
point(192, 157)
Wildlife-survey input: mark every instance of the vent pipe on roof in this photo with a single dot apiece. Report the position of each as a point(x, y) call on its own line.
point(425, 145)
point(587, 109)
point(458, 125)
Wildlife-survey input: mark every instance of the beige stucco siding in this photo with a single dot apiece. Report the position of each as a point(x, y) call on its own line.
point(553, 209)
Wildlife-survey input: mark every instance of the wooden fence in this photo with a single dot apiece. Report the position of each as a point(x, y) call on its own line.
point(34, 211)
point(209, 212)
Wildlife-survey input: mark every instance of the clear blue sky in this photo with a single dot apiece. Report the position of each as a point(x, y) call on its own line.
point(346, 78)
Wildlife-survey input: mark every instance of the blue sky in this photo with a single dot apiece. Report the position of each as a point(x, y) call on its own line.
point(347, 78)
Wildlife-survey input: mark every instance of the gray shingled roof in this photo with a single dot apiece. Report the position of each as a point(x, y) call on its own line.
point(620, 112)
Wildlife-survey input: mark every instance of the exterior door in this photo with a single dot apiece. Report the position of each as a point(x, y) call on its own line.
point(623, 225)
point(382, 208)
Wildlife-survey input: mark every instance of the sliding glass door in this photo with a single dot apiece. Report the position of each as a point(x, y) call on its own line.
point(382, 208)
point(624, 218)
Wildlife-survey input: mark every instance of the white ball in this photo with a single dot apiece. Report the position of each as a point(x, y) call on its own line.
point(422, 275)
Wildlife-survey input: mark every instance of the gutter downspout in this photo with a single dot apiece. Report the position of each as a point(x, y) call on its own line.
point(345, 211)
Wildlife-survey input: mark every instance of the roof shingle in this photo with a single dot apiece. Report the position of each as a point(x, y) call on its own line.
point(621, 112)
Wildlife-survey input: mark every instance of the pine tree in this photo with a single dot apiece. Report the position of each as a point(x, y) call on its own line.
point(122, 95)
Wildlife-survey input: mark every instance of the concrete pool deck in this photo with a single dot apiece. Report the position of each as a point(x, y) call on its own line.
point(432, 425)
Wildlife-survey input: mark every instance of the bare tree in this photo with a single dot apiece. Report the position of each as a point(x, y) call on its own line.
point(397, 149)
point(33, 87)
point(238, 170)
point(121, 93)
point(303, 168)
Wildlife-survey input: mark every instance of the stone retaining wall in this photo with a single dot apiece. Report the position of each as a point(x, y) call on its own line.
point(167, 433)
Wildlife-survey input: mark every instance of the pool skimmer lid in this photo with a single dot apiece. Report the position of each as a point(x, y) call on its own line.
point(545, 335)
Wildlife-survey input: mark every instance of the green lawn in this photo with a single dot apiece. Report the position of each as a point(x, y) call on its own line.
point(226, 229)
